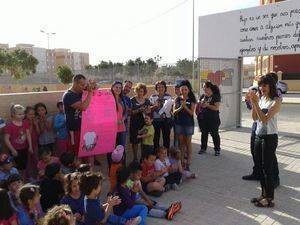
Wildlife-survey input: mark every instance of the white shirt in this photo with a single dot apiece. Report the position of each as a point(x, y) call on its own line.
point(159, 165)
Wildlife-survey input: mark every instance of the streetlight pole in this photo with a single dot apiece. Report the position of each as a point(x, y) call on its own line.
point(48, 34)
point(193, 51)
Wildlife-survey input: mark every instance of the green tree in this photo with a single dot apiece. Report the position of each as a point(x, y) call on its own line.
point(19, 63)
point(64, 74)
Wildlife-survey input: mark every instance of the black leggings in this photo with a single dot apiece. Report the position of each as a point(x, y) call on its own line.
point(165, 126)
point(173, 178)
point(213, 130)
point(265, 147)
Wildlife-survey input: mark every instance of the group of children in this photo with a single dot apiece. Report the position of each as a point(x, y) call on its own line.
point(60, 190)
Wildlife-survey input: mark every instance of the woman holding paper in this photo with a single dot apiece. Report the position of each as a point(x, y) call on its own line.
point(140, 105)
point(184, 108)
point(161, 105)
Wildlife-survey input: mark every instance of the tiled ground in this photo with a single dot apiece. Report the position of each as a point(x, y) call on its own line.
point(220, 196)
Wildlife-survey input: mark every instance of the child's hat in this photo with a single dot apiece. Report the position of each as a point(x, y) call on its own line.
point(5, 159)
point(117, 154)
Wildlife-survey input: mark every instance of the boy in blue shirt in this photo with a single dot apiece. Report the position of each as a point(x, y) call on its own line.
point(6, 167)
point(61, 129)
point(95, 212)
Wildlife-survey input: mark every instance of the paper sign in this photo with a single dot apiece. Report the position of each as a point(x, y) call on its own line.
point(98, 125)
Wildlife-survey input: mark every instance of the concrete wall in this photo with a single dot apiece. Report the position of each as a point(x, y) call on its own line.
point(49, 98)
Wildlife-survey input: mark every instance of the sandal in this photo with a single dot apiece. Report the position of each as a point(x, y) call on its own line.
point(254, 200)
point(265, 203)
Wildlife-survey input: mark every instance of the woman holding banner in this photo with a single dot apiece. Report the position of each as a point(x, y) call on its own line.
point(264, 111)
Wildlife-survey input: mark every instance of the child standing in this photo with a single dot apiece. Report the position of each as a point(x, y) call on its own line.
point(34, 129)
point(61, 130)
point(18, 138)
point(52, 189)
point(8, 215)
point(46, 158)
point(45, 122)
point(163, 166)
point(151, 180)
point(128, 208)
point(116, 157)
point(147, 135)
point(155, 209)
point(95, 212)
point(31, 212)
point(6, 167)
point(73, 197)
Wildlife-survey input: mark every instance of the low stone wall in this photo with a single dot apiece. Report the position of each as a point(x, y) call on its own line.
point(49, 98)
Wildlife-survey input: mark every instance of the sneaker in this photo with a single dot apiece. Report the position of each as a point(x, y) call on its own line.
point(202, 151)
point(170, 212)
point(177, 207)
point(134, 221)
point(174, 187)
point(217, 152)
point(250, 177)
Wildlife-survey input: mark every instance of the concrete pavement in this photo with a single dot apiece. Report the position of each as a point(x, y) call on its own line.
point(220, 196)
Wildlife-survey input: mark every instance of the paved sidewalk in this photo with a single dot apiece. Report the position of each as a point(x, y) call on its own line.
point(220, 196)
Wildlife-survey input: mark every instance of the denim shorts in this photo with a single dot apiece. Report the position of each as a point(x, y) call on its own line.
point(184, 130)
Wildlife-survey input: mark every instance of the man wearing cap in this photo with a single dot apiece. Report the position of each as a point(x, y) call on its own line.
point(6, 166)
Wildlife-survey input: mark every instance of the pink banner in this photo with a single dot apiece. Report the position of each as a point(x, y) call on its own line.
point(99, 125)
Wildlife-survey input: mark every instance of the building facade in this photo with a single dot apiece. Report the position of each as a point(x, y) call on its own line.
point(288, 64)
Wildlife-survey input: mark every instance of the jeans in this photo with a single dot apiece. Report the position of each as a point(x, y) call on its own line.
point(113, 219)
point(121, 140)
point(265, 147)
point(165, 126)
point(137, 210)
point(213, 130)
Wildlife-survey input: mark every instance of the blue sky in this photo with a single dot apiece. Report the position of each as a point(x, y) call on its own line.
point(110, 30)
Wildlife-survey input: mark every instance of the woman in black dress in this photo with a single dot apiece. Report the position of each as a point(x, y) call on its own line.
point(140, 105)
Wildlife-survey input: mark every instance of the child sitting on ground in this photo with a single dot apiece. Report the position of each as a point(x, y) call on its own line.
point(31, 213)
point(96, 212)
point(7, 213)
point(61, 130)
point(128, 208)
point(46, 158)
point(155, 209)
point(13, 184)
point(59, 215)
point(69, 163)
point(73, 197)
point(176, 165)
point(116, 157)
point(6, 167)
point(147, 135)
point(52, 189)
point(152, 183)
point(163, 166)
point(17, 138)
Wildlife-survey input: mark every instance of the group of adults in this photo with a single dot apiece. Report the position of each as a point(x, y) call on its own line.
point(167, 111)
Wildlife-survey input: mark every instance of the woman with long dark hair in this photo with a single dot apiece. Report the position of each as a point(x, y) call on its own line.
point(264, 111)
point(117, 91)
point(208, 116)
point(184, 108)
point(162, 121)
